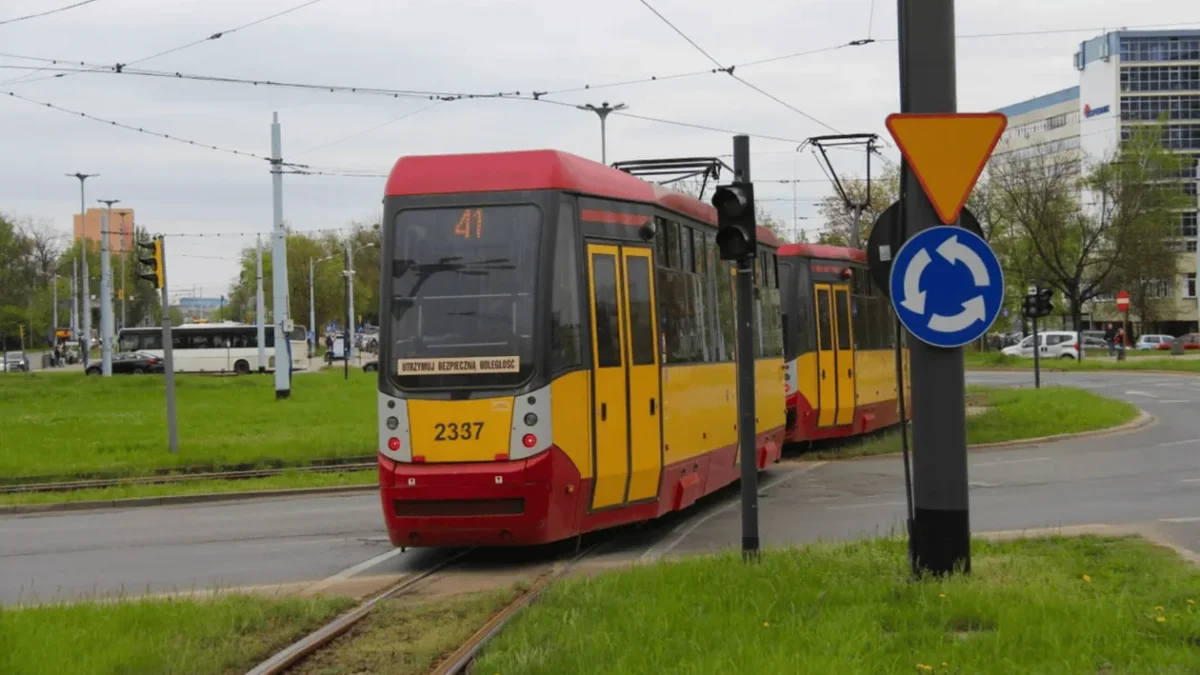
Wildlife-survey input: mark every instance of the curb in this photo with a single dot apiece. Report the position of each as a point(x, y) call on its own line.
point(166, 500)
point(1115, 371)
point(1143, 420)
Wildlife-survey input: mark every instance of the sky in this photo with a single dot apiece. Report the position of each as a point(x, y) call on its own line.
point(467, 46)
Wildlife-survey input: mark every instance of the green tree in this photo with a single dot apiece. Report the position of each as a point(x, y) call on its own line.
point(1081, 235)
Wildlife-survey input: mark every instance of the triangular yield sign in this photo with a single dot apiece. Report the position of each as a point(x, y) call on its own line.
point(947, 152)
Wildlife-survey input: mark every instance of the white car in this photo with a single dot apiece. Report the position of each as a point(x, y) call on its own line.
point(1147, 342)
point(1053, 344)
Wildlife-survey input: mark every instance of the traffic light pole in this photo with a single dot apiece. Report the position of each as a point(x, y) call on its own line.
point(279, 270)
point(747, 447)
point(941, 536)
point(1037, 357)
point(168, 355)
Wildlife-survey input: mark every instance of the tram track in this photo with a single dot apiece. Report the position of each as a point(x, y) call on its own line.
point(458, 661)
point(164, 479)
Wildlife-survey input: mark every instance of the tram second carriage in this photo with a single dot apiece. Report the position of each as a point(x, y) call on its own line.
point(556, 350)
point(839, 344)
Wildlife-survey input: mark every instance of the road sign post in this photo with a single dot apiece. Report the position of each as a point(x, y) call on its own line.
point(944, 153)
point(1123, 307)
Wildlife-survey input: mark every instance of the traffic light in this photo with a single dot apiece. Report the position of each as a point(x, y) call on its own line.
point(1044, 306)
point(154, 263)
point(736, 228)
point(1037, 303)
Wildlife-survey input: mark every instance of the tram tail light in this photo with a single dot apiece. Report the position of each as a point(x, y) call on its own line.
point(529, 440)
point(393, 444)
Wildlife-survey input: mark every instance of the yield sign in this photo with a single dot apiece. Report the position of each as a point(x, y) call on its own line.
point(947, 152)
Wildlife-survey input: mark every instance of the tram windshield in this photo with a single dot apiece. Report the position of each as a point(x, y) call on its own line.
point(463, 296)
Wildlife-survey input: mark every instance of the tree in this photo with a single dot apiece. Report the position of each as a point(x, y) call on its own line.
point(1080, 235)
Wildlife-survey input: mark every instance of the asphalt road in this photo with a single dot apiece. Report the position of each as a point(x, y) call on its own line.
point(1149, 477)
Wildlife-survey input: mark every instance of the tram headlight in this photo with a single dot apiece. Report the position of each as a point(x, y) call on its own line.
point(530, 419)
point(392, 423)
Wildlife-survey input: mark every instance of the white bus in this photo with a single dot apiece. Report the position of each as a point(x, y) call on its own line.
point(215, 347)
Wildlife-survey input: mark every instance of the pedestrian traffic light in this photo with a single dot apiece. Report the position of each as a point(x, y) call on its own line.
point(736, 227)
point(154, 263)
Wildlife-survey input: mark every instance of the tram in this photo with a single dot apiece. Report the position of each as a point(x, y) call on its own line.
point(839, 345)
point(557, 350)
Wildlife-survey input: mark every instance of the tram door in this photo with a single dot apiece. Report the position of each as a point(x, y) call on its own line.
point(844, 353)
point(627, 404)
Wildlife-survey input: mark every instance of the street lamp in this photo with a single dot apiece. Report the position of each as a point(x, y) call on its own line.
point(603, 112)
point(349, 273)
point(87, 286)
point(312, 312)
point(106, 318)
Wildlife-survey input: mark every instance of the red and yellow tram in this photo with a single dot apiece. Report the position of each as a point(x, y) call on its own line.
point(839, 345)
point(556, 350)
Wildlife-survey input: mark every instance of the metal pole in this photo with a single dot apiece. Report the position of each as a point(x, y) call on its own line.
point(349, 324)
point(279, 277)
point(1037, 357)
point(168, 357)
point(86, 288)
point(312, 312)
point(75, 298)
point(746, 427)
point(260, 311)
point(54, 320)
point(350, 300)
point(941, 536)
point(106, 313)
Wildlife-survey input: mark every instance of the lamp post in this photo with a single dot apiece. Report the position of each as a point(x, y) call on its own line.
point(106, 318)
point(312, 311)
point(603, 110)
point(350, 294)
point(86, 290)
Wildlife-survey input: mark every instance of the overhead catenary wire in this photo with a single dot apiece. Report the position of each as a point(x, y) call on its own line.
point(46, 13)
point(730, 71)
point(215, 36)
point(143, 130)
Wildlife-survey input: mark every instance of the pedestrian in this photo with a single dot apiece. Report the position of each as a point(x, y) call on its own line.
point(1110, 336)
point(1120, 344)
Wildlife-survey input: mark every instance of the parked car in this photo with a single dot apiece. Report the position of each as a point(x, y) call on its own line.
point(1152, 341)
point(1189, 341)
point(129, 363)
point(371, 367)
point(1053, 344)
point(14, 362)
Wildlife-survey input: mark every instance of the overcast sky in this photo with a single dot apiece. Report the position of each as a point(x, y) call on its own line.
point(469, 46)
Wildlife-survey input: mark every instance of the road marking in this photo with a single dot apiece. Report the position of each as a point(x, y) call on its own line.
point(1012, 461)
point(863, 506)
point(650, 555)
point(1175, 400)
point(1187, 442)
point(1191, 480)
point(355, 569)
point(1141, 393)
point(1194, 519)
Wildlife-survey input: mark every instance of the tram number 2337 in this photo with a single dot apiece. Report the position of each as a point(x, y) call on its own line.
point(458, 432)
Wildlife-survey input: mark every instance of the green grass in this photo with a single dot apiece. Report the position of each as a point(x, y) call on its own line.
point(63, 425)
point(288, 480)
point(1092, 361)
point(400, 638)
point(1027, 607)
point(227, 633)
point(1013, 414)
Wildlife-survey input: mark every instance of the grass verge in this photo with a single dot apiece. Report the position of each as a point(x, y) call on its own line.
point(1056, 605)
point(288, 480)
point(65, 425)
point(1098, 361)
point(401, 638)
point(223, 634)
point(1012, 414)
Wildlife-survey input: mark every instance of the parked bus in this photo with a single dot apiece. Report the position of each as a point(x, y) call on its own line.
point(216, 347)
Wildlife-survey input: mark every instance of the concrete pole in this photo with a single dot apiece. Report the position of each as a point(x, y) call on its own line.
point(350, 301)
point(106, 313)
point(168, 358)
point(54, 320)
point(312, 312)
point(260, 315)
point(283, 359)
point(941, 531)
point(124, 254)
point(75, 298)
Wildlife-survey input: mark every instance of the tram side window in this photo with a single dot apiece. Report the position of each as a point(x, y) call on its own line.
point(608, 329)
point(709, 278)
point(725, 306)
point(565, 324)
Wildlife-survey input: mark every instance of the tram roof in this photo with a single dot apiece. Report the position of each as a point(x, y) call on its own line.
point(824, 251)
point(415, 175)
